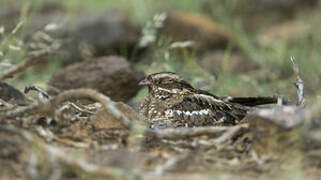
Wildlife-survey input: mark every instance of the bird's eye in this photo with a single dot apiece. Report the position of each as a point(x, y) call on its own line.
point(169, 81)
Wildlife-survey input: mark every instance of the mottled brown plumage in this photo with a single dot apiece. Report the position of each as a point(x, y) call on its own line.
point(173, 102)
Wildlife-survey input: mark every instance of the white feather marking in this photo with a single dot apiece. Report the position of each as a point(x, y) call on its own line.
point(162, 89)
point(204, 111)
point(178, 112)
point(161, 97)
point(170, 112)
point(173, 91)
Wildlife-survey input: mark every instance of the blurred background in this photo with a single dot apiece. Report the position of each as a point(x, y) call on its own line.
point(228, 47)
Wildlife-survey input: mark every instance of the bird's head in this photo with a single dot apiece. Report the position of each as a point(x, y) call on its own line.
point(166, 81)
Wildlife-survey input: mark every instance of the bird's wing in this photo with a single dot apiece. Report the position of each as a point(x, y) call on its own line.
point(200, 109)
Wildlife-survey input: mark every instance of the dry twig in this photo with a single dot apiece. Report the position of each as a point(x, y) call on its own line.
point(80, 109)
point(299, 81)
point(43, 96)
point(193, 132)
point(230, 133)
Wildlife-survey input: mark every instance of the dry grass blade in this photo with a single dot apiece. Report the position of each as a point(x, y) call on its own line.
point(29, 61)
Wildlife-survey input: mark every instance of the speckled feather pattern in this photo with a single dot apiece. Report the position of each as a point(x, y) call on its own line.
point(177, 104)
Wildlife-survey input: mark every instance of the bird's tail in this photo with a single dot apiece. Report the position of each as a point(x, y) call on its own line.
point(252, 101)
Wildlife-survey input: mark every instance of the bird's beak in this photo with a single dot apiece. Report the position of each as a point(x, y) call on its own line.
point(144, 82)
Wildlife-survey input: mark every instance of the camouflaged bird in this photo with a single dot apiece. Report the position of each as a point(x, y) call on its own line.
point(173, 102)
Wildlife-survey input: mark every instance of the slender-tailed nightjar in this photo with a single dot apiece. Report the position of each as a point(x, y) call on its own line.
point(173, 102)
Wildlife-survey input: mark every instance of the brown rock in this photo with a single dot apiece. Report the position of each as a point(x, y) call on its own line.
point(113, 76)
point(183, 26)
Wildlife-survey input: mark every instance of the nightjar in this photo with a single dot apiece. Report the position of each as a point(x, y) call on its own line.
point(173, 102)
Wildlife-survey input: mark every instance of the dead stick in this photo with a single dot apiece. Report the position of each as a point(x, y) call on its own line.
point(29, 61)
point(230, 133)
point(299, 81)
point(40, 91)
point(193, 132)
